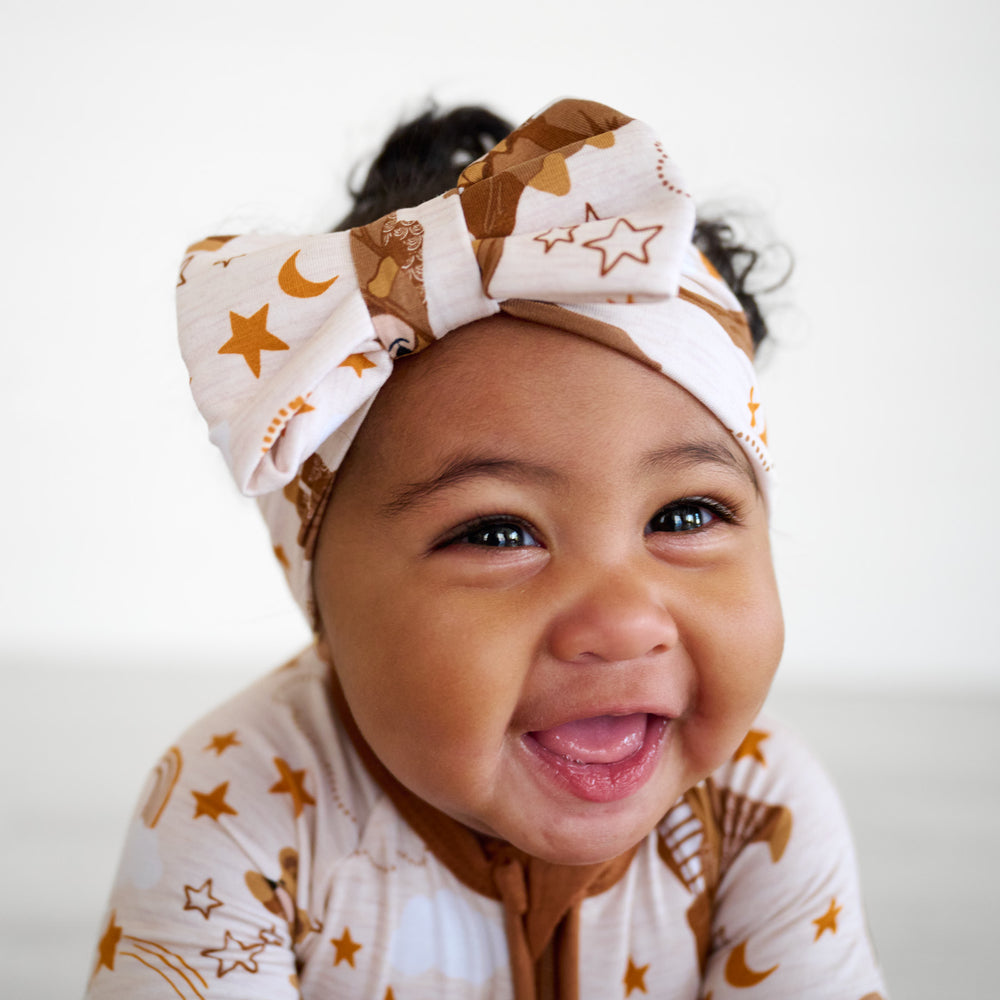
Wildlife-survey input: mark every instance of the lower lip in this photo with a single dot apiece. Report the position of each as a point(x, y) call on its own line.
point(604, 782)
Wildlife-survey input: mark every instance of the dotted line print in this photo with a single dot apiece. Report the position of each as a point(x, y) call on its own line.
point(660, 162)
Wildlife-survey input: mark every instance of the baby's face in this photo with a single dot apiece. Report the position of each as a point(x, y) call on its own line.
point(545, 582)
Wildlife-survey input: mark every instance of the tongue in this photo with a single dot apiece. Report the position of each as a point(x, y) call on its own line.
point(601, 740)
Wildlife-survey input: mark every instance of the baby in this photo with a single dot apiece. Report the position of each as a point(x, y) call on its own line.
point(510, 450)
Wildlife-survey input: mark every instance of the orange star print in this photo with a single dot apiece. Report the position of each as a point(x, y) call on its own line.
point(358, 362)
point(635, 977)
point(108, 945)
point(213, 804)
point(346, 948)
point(827, 922)
point(750, 747)
point(292, 783)
point(250, 337)
point(220, 744)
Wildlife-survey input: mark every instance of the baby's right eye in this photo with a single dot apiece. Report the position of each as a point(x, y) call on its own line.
point(495, 533)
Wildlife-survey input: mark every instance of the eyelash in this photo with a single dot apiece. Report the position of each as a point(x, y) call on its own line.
point(727, 513)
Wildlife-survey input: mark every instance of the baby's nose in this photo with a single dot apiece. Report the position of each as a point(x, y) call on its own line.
point(618, 618)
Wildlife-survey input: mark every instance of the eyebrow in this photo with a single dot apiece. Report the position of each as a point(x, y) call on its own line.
point(462, 469)
point(472, 466)
point(692, 453)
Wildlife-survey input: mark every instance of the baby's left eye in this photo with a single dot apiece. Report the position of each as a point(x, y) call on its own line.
point(684, 515)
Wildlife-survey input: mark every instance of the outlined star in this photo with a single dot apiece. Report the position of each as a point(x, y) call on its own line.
point(270, 935)
point(292, 783)
point(108, 945)
point(750, 747)
point(753, 408)
point(592, 215)
point(236, 953)
point(250, 337)
point(213, 803)
point(220, 744)
point(635, 977)
point(624, 240)
point(358, 362)
point(827, 922)
point(553, 236)
point(346, 947)
point(201, 899)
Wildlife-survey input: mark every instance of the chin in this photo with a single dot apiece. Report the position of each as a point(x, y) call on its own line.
point(590, 843)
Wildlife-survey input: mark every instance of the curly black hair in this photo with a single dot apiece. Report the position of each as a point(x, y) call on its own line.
point(423, 157)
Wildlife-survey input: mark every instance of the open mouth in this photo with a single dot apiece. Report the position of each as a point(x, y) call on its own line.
point(600, 759)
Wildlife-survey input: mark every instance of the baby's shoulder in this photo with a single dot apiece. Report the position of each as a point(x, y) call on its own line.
point(763, 848)
point(273, 759)
point(773, 763)
point(280, 709)
point(770, 797)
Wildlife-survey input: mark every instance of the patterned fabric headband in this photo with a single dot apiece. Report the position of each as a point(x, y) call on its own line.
point(577, 220)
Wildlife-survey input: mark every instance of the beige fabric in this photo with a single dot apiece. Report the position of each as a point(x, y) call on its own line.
point(579, 215)
point(265, 863)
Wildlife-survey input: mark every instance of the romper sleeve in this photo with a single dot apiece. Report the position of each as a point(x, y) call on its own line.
point(212, 897)
point(788, 921)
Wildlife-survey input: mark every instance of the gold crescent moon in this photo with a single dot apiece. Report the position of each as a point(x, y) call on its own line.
point(292, 283)
point(738, 973)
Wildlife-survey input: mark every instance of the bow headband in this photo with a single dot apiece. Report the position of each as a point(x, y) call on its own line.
point(577, 220)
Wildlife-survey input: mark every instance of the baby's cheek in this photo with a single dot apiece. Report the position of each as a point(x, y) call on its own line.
point(734, 676)
point(427, 706)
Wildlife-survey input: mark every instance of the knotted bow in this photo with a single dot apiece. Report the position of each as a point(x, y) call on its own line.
point(578, 220)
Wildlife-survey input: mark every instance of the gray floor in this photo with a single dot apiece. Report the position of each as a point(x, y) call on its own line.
point(919, 776)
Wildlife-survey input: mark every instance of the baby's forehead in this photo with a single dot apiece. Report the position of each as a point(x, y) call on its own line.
point(533, 403)
point(490, 359)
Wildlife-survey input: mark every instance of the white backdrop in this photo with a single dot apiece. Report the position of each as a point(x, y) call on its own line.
point(865, 133)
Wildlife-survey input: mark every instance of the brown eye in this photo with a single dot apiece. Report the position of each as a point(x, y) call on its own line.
point(492, 533)
point(685, 515)
point(498, 535)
